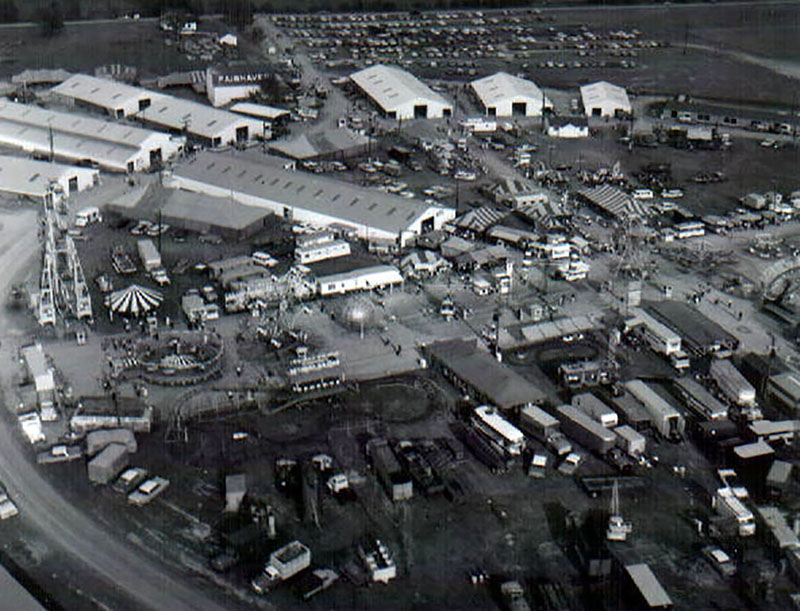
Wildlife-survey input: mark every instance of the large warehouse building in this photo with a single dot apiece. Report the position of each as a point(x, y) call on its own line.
point(400, 94)
point(503, 95)
point(209, 125)
point(602, 99)
point(37, 179)
point(310, 198)
point(75, 138)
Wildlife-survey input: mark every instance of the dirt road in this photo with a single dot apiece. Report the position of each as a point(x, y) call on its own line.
point(145, 584)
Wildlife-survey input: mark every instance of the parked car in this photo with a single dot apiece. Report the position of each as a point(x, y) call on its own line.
point(721, 561)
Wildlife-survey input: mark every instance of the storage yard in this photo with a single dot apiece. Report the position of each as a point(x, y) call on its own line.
point(477, 309)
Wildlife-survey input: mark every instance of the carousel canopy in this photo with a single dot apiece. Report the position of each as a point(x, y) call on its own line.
point(133, 300)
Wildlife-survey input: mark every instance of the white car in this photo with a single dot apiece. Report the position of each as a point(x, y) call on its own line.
point(570, 464)
point(643, 194)
point(721, 561)
point(160, 277)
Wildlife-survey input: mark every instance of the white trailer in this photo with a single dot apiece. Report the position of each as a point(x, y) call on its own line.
point(732, 383)
point(668, 421)
point(630, 441)
point(87, 216)
point(148, 253)
point(726, 504)
point(659, 336)
point(508, 438)
point(596, 409)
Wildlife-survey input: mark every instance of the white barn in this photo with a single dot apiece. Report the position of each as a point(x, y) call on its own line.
point(117, 99)
point(504, 95)
point(400, 94)
point(39, 179)
point(310, 198)
point(602, 99)
point(75, 138)
point(211, 126)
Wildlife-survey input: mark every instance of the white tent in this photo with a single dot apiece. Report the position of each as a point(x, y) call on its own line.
point(133, 300)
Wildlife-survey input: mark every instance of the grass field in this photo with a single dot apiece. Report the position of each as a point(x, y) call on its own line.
point(82, 47)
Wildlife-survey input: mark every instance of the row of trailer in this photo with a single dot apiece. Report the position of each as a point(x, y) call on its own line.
point(617, 422)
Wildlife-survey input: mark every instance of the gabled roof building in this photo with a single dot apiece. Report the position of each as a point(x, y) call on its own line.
point(400, 94)
point(504, 95)
point(310, 198)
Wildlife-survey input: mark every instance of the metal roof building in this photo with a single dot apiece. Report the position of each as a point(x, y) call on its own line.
point(203, 213)
point(259, 111)
point(113, 146)
point(210, 125)
point(400, 94)
point(36, 179)
point(479, 373)
point(611, 201)
point(602, 99)
point(699, 334)
point(648, 586)
point(504, 95)
point(310, 198)
point(117, 99)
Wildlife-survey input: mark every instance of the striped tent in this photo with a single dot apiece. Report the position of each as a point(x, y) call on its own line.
point(134, 300)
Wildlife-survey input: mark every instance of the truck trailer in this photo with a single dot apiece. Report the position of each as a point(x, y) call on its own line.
point(596, 409)
point(544, 428)
point(148, 253)
point(586, 431)
point(107, 464)
point(667, 420)
point(727, 505)
point(630, 441)
point(732, 383)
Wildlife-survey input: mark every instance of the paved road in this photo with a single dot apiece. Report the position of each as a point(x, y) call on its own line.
point(147, 585)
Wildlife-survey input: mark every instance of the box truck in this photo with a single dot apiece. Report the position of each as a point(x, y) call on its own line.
point(544, 428)
point(283, 563)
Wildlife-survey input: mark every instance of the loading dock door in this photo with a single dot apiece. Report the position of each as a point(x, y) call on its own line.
point(518, 109)
point(427, 225)
point(73, 184)
point(421, 111)
point(596, 112)
point(491, 111)
point(241, 134)
point(155, 158)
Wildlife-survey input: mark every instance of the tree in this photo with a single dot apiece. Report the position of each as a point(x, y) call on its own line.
point(51, 18)
point(239, 12)
point(9, 13)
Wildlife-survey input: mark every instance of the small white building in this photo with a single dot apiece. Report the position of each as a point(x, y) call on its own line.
point(568, 127)
point(363, 279)
point(312, 253)
point(400, 94)
point(41, 180)
point(504, 95)
point(602, 99)
point(228, 40)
